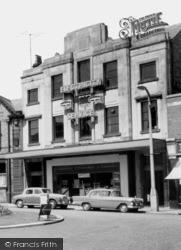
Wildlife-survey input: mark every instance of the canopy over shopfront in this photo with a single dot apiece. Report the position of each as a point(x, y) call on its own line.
point(176, 172)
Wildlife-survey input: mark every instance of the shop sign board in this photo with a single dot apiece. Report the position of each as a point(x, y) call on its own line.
point(81, 114)
point(84, 175)
point(81, 85)
point(142, 27)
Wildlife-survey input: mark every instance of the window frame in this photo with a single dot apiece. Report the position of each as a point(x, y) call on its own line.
point(55, 139)
point(31, 142)
point(87, 136)
point(144, 79)
point(145, 129)
point(107, 123)
point(81, 78)
point(54, 87)
point(107, 77)
point(34, 100)
point(3, 176)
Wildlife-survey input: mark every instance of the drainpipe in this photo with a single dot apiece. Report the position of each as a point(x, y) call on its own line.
point(9, 164)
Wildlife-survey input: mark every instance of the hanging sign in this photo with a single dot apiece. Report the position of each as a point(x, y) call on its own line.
point(139, 28)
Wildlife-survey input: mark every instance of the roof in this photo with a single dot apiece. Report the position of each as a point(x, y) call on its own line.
point(7, 104)
point(17, 104)
point(173, 30)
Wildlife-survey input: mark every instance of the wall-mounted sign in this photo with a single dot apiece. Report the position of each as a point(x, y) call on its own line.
point(81, 114)
point(139, 28)
point(81, 85)
point(67, 104)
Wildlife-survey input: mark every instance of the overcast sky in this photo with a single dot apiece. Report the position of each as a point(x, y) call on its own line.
point(50, 20)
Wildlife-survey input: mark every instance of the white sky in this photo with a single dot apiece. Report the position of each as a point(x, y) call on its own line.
point(54, 19)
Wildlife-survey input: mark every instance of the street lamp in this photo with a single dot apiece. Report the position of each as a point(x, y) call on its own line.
point(153, 192)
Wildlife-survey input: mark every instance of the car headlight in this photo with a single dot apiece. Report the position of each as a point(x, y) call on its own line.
point(132, 203)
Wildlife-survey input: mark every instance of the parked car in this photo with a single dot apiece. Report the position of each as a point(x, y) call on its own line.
point(31, 197)
point(108, 199)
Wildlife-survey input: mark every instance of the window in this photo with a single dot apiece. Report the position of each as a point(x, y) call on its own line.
point(83, 71)
point(57, 82)
point(85, 127)
point(29, 191)
point(145, 119)
point(32, 96)
point(148, 72)
point(2, 174)
point(33, 131)
point(58, 128)
point(112, 120)
point(37, 191)
point(110, 75)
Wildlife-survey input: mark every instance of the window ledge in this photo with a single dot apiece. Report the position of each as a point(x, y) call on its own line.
point(58, 141)
point(152, 79)
point(32, 103)
point(57, 98)
point(111, 135)
point(33, 144)
point(85, 138)
point(111, 88)
point(147, 131)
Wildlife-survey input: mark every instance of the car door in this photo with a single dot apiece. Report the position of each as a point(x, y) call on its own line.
point(94, 199)
point(105, 199)
point(28, 196)
point(36, 196)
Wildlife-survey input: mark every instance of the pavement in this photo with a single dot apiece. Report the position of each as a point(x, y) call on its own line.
point(53, 219)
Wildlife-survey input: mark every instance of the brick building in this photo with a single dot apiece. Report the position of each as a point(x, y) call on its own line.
point(86, 122)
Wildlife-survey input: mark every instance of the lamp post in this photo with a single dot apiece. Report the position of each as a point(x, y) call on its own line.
point(153, 192)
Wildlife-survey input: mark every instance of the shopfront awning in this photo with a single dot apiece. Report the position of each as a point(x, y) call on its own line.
point(175, 173)
point(70, 150)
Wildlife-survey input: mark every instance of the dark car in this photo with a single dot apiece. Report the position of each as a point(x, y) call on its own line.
point(108, 199)
point(32, 197)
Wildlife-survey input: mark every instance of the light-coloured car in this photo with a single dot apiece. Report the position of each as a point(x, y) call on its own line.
point(31, 197)
point(107, 199)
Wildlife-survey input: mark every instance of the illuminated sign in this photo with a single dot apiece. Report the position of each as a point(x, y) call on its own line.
point(81, 85)
point(141, 27)
point(81, 114)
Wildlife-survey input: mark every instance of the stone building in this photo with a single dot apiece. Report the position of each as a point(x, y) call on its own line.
point(86, 122)
point(11, 170)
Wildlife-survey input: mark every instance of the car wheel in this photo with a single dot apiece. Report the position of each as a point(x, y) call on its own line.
point(123, 208)
point(30, 206)
point(19, 204)
point(53, 203)
point(86, 206)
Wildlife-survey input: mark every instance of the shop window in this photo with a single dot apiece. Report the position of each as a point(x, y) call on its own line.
point(58, 128)
point(32, 96)
point(85, 127)
point(148, 72)
point(57, 82)
point(112, 121)
point(83, 71)
point(145, 119)
point(33, 131)
point(2, 174)
point(110, 75)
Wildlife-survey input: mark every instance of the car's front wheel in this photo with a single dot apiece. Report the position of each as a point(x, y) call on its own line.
point(86, 206)
point(19, 204)
point(123, 208)
point(53, 203)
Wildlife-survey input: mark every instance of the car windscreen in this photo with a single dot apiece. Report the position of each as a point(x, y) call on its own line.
point(46, 191)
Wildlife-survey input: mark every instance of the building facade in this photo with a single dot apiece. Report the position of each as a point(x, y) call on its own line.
point(11, 170)
point(86, 122)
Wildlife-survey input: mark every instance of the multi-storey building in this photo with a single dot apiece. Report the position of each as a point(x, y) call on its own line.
point(11, 171)
point(86, 122)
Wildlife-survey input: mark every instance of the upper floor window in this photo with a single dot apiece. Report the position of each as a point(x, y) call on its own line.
point(148, 72)
point(57, 82)
point(58, 128)
point(112, 120)
point(33, 131)
point(2, 174)
point(145, 118)
point(32, 96)
point(85, 127)
point(110, 75)
point(83, 73)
